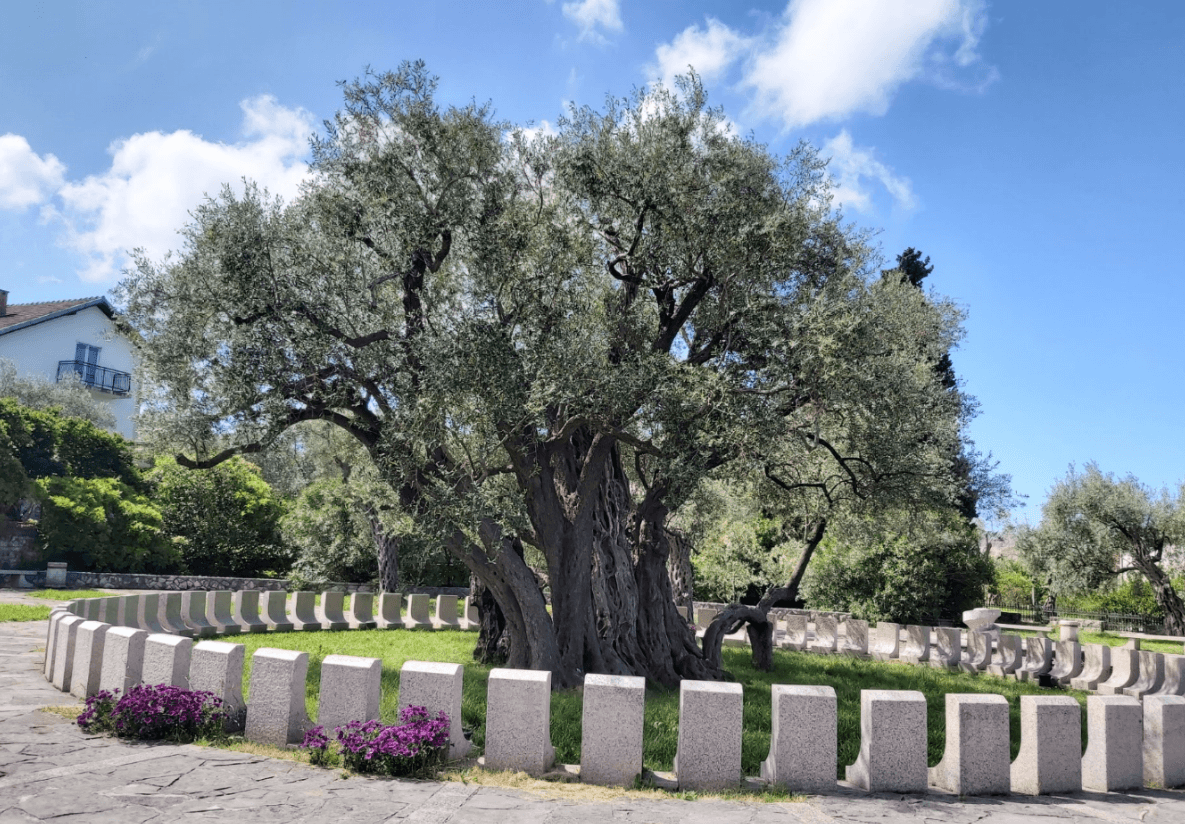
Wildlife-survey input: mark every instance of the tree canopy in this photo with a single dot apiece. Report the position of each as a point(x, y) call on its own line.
point(546, 341)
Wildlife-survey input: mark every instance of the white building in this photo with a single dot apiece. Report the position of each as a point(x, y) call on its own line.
point(64, 339)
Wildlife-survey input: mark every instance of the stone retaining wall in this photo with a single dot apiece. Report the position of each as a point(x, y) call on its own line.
point(1128, 747)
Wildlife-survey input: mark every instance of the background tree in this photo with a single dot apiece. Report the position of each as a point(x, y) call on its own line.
point(226, 517)
point(1095, 527)
point(69, 396)
point(545, 345)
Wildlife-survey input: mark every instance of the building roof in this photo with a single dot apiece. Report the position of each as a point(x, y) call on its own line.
point(21, 315)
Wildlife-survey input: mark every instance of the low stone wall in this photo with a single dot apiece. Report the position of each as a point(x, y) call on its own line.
point(1128, 745)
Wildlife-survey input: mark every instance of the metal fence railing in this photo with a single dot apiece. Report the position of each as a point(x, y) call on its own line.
point(1106, 621)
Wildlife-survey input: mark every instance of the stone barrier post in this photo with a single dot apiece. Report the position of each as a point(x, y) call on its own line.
point(304, 612)
point(390, 605)
point(1067, 662)
point(979, 652)
point(417, 611)
point(892, 742)
point(362, 611)
point(611, 748)
point(826, 633)
point(916, 649)
point(1008, 656)
point(275, 710)
point(1038, 659)
point(886, 641)
point(437, 687)
point(1174, 676)
point(171, 621)
point(794, 632)
point(123, 659)
point(63, 666)
point(1164, 741)
point(855, 638)
point(1095, 670)
point(221, 605)
point(88, 658)
point(166, 660)
point(803, 741)
point(91, 608)
point(276, 611)
point(148, 614)
point(1114, 757)
point(1125, 669)
point(1050, 757)
point(109, 610)
point(128, 610)
point(446, 612)
point(704, 617)
point(350, 690)
point(246, 611)
point(948, 648)
point(1151, 675)
point(194, 610)
point(56, 615)
point(518, 719)
point(472, 620)
point(333, 610)
point(976, 760)
point(708, 753)
point(217, 667)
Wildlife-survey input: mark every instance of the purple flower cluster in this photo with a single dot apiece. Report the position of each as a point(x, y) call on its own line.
point(152, 712)
point(416, 746)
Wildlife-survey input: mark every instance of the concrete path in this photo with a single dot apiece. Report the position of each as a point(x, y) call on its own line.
point(50, 770)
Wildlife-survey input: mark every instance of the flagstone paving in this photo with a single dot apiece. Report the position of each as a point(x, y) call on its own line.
point(51, 771)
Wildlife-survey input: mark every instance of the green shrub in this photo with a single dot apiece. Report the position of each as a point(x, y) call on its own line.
point(102, 525)
point(226, 518)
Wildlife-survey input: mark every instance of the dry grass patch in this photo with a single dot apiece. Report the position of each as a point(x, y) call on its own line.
point(68, 711)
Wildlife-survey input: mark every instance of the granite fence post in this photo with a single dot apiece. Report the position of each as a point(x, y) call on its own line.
point(1095, 670)
point(351, 688)
point(166, 660)
point(221, 606)
point(803, 739)
point(793, 632)
point(976, 760)
point(333, 611)
point(275, 707)
point(1125, 669)
point(63, 666)
point(109, 610)
point(437, 687)
point(518, 719)
point(1151, 675)
point(611, 748)
point(471, 622)
point(88, 658)
point(417, 611)
point(979, 652)
point(892, 742)
point(129, 611)
point(148, 614)
point(1114, 758)
point(194, 610)
point(1008, 656)
point(390, 606)
point(1174, 676)
point(948, 648)
point(1068, 662)
point(361, 615)
point(304, 612)
point(446, 612)
point(1050, 757)
point(123, 659)
point(56, 615)
point(886, 641)
point(708, 753)
point(826, 634)
point(916, 649)
point(1164, 741)
point(217, 667)
point(246, 611)
point(854, 641)
point(170, 619)
point(91, 607)
point(1038, 659)
point(276, 611)
point(704, 617)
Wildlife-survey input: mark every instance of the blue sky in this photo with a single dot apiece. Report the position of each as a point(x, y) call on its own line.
point(1032, 150)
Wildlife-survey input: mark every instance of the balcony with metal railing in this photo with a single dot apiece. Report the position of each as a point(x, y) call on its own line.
point(95, 376)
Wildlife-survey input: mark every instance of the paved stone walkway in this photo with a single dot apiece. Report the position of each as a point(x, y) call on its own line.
point(50, 770)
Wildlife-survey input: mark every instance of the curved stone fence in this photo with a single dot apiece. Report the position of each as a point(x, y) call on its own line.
point(1134, 730)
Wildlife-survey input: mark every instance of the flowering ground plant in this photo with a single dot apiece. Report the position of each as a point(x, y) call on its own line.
point(416, 747)
point(152, 712)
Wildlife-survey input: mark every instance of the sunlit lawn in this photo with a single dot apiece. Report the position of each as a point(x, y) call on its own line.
point(1112, 640)
point(23, 612)
point(847, 675)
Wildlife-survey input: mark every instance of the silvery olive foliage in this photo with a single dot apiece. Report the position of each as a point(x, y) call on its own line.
point(549, 340)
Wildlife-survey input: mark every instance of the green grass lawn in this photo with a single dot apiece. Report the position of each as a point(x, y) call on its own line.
point(23, 612)
point(1089, 637)
point(68, 594)
point(847, 675)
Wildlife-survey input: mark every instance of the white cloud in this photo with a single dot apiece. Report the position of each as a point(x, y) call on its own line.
point(826, 59)
point(156, 179)
point(26, 178)
point(590, 15)
point(48, 279)
point(709, 51)
point(832, 58)
point(853, 167)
